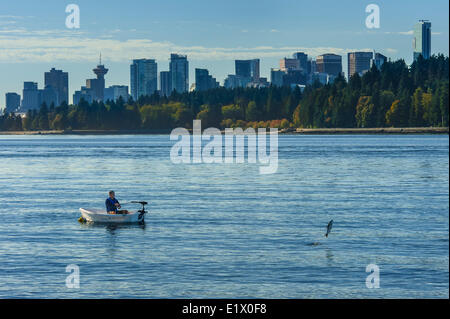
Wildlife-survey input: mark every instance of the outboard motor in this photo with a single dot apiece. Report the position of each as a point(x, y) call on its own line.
point(142, 211)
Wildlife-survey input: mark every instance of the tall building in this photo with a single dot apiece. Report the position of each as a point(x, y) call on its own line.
point(359, 62)
point(247, 68)
point(289, 64)
point(48, 95)
point(204, 81)
point(30, 97)
point(378, 60)
point(309, 66)
point(303, 61)
point(114, 92)
point(329, 63)
point(12, 102)
point(179, 73)
point(59, 81)
point(276, 77)
point(143, 77)
point(422, 39)
point(165, 83)
point(313, 67)
point(98, 85)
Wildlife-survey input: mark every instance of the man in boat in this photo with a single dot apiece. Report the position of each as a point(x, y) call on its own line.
point(113, 205)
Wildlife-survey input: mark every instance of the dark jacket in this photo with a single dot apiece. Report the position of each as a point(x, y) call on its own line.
point(110, 207)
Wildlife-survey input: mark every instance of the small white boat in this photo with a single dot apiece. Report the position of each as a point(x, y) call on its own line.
point(101, 216)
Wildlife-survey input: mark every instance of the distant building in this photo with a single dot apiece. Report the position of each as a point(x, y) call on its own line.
point(262, 83)
point(329, 63)
point(422, 39)
point(247, 69)
point(294, 77)
point(33, 98)
point(12, 102)
point(98, 85)
point(143, 78)
point(378, 60)
point(309, 66)
point(48, 95)
point(289, 76)
point(165, 83)
point(246, 75)
point(359, 62)
point(179, 73)
point(85, 94)
point(59, 81)
point(235, 81)
point(204, 81)
point(323, 78)
point(303, 61)
point(30, 97)
point(313, 67)
point(289, 64)
point(276, 77)
point(114, 92)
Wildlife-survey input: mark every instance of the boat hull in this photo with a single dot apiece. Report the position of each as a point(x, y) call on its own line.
point(100, 216)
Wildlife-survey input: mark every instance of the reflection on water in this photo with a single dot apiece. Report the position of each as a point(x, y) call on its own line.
point(112, 227)
point(225, 231)
point(329, 255)
point(113, 231)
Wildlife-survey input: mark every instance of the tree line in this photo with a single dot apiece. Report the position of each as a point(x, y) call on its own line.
point(398, 95)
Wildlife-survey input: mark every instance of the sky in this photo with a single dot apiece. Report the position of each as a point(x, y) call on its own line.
point(213, 33)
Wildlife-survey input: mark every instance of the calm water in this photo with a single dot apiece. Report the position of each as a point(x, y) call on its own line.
point(225, 230)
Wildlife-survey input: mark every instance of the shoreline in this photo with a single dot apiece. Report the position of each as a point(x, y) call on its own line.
point(292, 131)
point(381, 130)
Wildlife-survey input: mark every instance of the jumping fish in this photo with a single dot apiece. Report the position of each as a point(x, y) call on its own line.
point(330, 225)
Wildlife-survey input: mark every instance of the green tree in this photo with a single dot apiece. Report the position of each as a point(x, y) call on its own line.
point(252, 112)
point(233, 111)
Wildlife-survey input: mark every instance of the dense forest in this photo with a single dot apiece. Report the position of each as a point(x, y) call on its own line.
point(398, 95)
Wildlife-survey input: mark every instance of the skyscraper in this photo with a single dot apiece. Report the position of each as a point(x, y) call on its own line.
point(289, 64)
point(98, 85)
point(247, 68)
point(179, 73)
point(30, 96)
point(303, 61)
point(165, 83)
point(143, 77)
point(276, 77)
point(48, 96)
point(204, 81)
point(12, 102)
point(422, 39)
point(359, 62)
point(59, 81)
point(378, 60)
point(329, 63)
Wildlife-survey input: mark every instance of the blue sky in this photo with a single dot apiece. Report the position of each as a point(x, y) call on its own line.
point(34, 38)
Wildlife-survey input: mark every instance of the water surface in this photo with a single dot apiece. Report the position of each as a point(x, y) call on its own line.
point(225, 231)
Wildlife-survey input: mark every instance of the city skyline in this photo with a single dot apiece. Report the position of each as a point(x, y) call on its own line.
point(215, 51)
point(300, 70)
